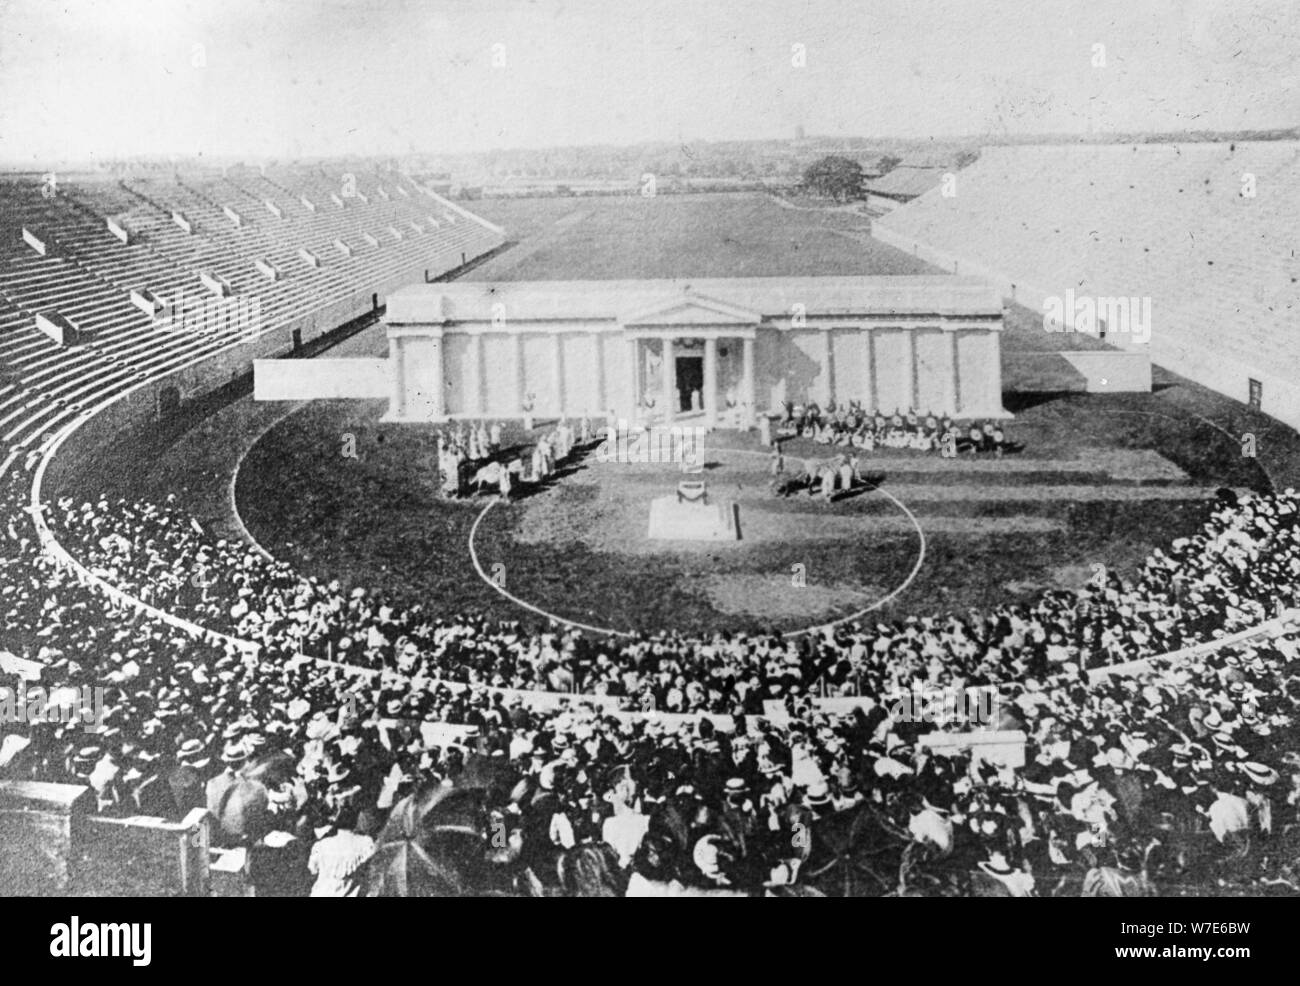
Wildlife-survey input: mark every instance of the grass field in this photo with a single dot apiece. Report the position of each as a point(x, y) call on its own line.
point(721, 235)
point(1096, 485)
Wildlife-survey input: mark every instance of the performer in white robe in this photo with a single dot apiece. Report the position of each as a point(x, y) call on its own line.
point(828, 482)
point(451, 474)
point(846, 474)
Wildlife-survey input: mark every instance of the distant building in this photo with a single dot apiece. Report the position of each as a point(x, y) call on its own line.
point(903, 184)
point(873, 165)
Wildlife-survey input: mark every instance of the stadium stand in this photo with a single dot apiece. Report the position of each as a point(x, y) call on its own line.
point(108, 265)
point(1205, 230)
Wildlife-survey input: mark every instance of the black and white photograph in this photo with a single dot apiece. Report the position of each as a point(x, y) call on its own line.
point(650, 448)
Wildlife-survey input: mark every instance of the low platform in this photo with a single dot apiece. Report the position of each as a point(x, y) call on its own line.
point(693, 520)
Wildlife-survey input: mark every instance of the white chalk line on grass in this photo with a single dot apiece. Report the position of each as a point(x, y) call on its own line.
point(911, 576)
point(478, 567)
point(610, 631)
point(1235, 439)
point(232, 501)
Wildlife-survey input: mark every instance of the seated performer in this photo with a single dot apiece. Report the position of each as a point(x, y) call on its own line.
point(948, 443)
point(999, 441)
point(976, 437)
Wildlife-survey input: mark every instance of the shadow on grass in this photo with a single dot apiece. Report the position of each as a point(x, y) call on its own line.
point(1020, 401)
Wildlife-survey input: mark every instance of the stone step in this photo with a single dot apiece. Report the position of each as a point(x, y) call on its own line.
point(911, 493)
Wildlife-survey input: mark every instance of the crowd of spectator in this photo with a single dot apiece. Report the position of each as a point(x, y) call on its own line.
point(324, 706)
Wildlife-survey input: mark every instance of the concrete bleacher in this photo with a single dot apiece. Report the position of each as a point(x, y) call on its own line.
point(1205, 230)
point(64, 256)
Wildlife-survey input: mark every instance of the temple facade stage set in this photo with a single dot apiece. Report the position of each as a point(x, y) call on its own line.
point(713, 352)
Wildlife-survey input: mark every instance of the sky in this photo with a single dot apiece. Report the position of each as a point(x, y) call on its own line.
point(92, 79)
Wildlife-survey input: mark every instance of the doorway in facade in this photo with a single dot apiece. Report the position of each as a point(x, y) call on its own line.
point(690, 383)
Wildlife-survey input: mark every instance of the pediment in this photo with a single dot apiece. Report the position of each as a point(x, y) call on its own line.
point(693, 310)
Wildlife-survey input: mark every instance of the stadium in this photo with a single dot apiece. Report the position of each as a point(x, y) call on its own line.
point(325, 481)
